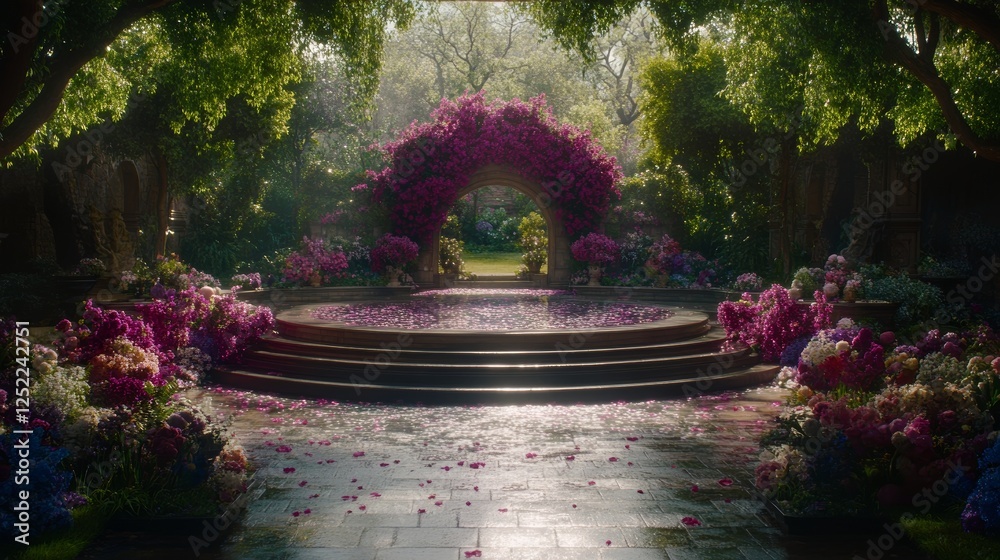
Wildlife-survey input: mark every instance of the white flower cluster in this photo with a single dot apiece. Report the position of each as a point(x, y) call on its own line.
point(937, 368)
point(79, 433)
point(64, 388)
point(819, 349)
point(193, 362)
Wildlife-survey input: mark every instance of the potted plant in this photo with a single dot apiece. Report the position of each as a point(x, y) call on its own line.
point(450, 256)
point(391, 254)
point(597, 250)
point(315, 263)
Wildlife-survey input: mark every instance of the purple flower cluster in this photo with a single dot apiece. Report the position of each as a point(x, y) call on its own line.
point(430, 162)
point(596, 249)
point(772, 322)
point(250, 281)
point(393, 250)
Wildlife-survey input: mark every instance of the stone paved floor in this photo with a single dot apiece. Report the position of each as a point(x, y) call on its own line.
point(612, 481)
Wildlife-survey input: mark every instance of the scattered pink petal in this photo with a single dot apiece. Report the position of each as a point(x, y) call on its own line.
point(629, 463)
point(438, 503)
point(694, 487)
point(350, 511)
point(303, 484)
point(632, 438)
point(570, 458)
point(461, 463)
point(627, 446)
point(432, 496)
point(362, 507)
point(476, 488)
point(314, 496)
point(296, 513)
point(531, 455)
point(421, 484)
point(474, 554)
point(574, 506)
point(307, 454)
point(477, 465)
point(613, 459)
point(283, 449)
point(395, 462)
point(640, 491)
point(421, 510)
point(353, 480)
point(446, 468)
point(726, 482)
point(690, 522)
point(502, 510)
point(608, 543)
point(468, 503)
point(361, 487)
point(331, 461)
point(359, 454)
point(729, 500)
point(383, 464)
point(307, 511)
point(289, 470)
point(345, 498)
point(375, 495)
point(591, 483)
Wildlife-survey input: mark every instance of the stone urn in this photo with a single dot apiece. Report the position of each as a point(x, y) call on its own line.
point(393, 274)
point(595, 275)
point(315, 280)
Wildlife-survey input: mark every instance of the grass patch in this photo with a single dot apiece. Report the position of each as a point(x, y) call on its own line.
point(88, 524)
point(945, 539)
point(493, 263)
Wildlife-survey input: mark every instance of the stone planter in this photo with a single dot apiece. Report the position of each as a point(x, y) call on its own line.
point(393, 274)
point(882, 312)
point(805, 525)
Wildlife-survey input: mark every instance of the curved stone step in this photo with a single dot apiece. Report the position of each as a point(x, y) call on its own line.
point(573, 350)
point(391, 371)
point(690, 385)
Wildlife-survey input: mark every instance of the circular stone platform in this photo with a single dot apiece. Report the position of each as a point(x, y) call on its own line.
point(480, 347)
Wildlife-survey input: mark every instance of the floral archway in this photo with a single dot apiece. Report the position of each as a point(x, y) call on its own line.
point(560, 167)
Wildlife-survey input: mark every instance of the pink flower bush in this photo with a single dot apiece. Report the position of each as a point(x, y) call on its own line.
point(665, 256)
point(430, 162)
point(772, 322)
point(315, 257)
point(596, 249)
point(393, 250)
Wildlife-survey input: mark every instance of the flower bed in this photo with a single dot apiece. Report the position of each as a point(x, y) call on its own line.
point(108, 425)
point(878, 427)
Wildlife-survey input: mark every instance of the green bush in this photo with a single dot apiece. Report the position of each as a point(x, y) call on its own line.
point(533, 241)
point(450, 255)
point(918, 301)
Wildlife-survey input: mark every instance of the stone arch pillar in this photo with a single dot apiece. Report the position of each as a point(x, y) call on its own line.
point(558, 252)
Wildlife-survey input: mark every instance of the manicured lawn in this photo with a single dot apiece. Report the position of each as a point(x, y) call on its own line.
point(493, 263)
point(945, 540)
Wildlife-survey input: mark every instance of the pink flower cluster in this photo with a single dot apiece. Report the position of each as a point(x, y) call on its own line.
point(663, 255)
point(393, 250)
point(858, 364)
point(430, 162)
point(772, 322)
point(596, 249)
point(315, 257)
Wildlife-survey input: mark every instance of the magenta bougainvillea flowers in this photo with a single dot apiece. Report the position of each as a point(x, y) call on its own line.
point(430, 162)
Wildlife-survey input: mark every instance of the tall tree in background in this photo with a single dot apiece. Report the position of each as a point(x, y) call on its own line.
point(924, 64)
point(69, 65)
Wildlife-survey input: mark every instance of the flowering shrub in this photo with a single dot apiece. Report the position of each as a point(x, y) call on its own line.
point(595, 248)
point(684, 269)
point(748, 282)
point(393, 250)
point(249, 281)
point(772, 322)
point(166, 274)
point(982, 512)
point(315, 258)
point(430, 162)
point(634, 251)
point(876, 423)
point(450, 255)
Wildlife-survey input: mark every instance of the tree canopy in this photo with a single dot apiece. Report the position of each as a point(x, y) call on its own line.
point(69, 65)
point(924, 64)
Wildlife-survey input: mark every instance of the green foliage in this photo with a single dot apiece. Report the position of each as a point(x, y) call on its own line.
point(944, 539)
point(533, 242)
point(919, 302)
point(450, 255)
